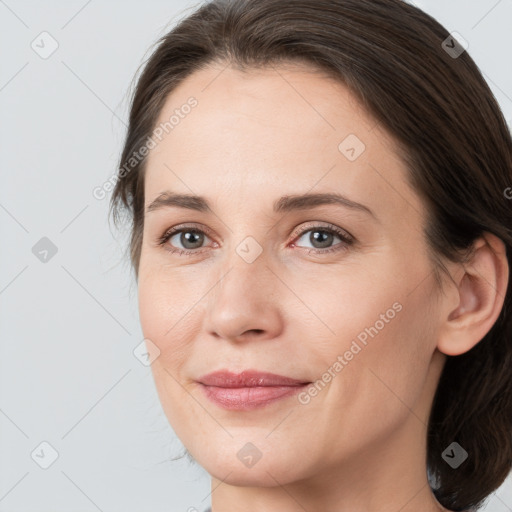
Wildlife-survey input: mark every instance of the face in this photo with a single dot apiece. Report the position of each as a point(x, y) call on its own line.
point(338, 294)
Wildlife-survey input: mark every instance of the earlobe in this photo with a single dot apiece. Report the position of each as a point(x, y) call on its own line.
point(481, 293)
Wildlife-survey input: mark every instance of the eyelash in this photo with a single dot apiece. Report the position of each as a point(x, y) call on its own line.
point(346, 239)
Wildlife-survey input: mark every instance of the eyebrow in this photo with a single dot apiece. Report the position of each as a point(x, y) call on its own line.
point(282, 205)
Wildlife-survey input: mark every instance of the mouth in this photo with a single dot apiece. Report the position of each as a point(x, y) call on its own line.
point(249, 389)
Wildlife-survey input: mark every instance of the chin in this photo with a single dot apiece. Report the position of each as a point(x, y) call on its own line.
point(266, 472)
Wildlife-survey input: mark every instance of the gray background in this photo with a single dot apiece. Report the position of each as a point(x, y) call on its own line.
point(69, 325)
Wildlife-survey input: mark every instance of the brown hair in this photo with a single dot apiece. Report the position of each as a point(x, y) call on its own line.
point(452, 135)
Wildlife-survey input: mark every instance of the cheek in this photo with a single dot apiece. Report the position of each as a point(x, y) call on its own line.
point(388, 373)
point(382, 378)
point(166, 310)
point(378, 337)
point(163, 319)
point(343, 304)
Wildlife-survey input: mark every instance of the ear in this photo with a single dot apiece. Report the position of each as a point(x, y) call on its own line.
point(479, 297)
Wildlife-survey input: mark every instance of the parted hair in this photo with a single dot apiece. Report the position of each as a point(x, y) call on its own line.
point(421, 86)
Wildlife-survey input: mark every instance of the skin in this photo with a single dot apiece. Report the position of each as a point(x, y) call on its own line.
point(359, 445)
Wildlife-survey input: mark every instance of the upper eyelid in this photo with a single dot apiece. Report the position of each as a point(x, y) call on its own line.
point(311, 225)
point(191, 227)
point(330, 227)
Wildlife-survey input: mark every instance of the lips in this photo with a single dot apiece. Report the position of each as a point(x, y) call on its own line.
point(248, 378)
point(249, 389)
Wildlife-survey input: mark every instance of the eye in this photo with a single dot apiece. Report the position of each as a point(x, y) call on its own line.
point(191, 239)
point(322, 237)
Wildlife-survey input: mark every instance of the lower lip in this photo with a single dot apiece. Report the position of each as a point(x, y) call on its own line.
point(249, 398)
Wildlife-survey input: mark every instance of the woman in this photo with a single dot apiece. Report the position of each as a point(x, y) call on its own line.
point(321, 236)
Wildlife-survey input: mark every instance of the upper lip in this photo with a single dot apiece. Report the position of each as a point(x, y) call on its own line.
point(247, 378)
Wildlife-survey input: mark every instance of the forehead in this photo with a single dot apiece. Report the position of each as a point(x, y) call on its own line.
point(264, 132)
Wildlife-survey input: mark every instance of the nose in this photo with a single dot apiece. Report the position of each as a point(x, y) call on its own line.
point(245, 302)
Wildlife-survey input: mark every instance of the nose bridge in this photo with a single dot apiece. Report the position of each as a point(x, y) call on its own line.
point(242, 298)
point(246, 267)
